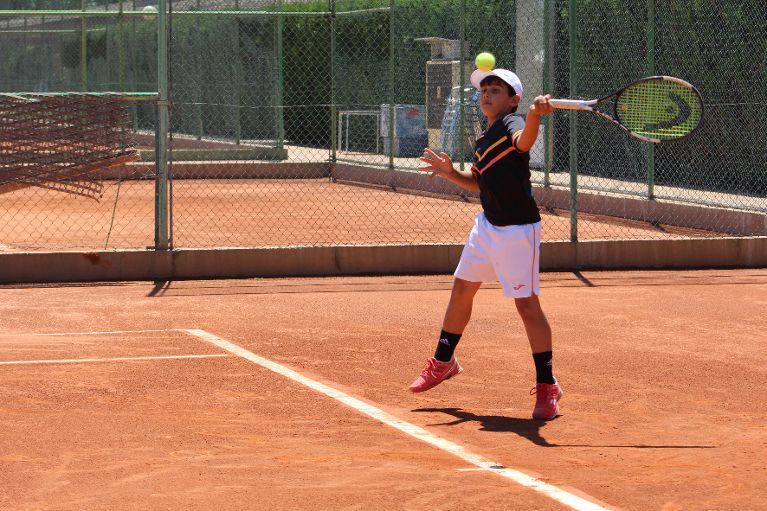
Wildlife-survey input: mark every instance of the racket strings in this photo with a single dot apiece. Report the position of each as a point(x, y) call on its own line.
point(659, 109)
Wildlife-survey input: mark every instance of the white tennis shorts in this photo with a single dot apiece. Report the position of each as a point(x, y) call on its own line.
point(508, 254)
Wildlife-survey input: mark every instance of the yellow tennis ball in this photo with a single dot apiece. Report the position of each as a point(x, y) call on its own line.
point(485, 61)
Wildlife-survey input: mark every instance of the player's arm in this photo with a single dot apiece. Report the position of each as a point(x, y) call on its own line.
point(441, 165)
point(540, 106)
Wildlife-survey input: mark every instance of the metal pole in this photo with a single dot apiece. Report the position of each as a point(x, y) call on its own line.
point(24, 35)
point(650, 71)
point(462, 81)
point(163, 124)
point(47, 60)
point(121, 48)
point(198, 67)
point(279, 96)
point(573, 69)
point(392, 77)
point(237, 79)
point(83, 50)
point(134, 66)
point(108, 84)
point(548, 146)
point(333, 114)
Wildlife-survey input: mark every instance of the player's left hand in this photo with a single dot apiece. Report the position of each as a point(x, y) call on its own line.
point(437, 164)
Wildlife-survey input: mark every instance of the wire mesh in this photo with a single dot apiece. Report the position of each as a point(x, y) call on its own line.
point(62, 141)
point(301, 122)
point(68, 56)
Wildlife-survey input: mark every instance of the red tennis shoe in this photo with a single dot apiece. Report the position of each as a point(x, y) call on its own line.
point(434, 373)
point(547, 398)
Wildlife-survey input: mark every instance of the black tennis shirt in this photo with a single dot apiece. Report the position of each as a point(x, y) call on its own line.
point(503, 174)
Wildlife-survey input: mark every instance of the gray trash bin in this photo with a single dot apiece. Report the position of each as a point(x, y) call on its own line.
point(410, 136)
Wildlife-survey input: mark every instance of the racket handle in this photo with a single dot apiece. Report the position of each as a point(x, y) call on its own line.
point(570, 104)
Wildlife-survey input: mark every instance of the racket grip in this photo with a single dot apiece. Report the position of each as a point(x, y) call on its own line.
point(569, 104)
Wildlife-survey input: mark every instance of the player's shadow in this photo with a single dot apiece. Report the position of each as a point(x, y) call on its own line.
point(526, 428)
point(530, 429)
point(159, 288)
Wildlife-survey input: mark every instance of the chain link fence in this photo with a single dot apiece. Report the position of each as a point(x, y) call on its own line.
point(45, 51)
point(298, 123)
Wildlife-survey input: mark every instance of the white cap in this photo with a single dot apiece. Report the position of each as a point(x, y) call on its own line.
point(504, 74)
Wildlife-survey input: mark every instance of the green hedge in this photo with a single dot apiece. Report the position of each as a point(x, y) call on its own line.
point(721, 47)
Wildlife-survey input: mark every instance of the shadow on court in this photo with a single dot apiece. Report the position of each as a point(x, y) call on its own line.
point(530, 429)
point(159, 287)
point(393, 284)
point(526, 428)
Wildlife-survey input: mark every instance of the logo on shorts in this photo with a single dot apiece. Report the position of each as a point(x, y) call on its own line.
point(518, 287)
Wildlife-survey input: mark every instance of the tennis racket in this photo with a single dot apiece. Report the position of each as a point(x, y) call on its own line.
point(656, 109)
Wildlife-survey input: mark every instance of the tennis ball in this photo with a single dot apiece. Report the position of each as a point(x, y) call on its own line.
point(485, 61)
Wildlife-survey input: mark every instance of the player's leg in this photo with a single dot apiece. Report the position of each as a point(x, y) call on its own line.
point(517, 255)
point(547, 390)
point(457, 316)
point(459, 308)
point(473, 269)
point(443, 365)
point(536, 325)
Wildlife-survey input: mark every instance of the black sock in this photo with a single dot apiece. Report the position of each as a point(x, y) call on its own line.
point(446, 346)
point(543, 372)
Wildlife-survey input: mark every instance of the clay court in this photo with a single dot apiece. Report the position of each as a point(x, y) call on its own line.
point(292, 394)
point(217, 284)
point(251, 212)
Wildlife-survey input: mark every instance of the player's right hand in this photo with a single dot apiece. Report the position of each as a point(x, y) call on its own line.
point(438, 165)
point(541, 105)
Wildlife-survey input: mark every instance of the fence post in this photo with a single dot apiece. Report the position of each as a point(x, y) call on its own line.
point(83, 49)
point(650, 71)
point(198, 70)
point(530, 47)
point(548, 66)
point(573, 69)
point(462, 82)
point(333, 109)
point(279, 96)
point(161, 240)
point(237, 79)
point(392, 76)
point(121, 47)
point(133, 67)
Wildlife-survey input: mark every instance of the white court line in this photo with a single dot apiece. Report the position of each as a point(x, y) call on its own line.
point(117, 359)
point(568, 499)
point(112, 332)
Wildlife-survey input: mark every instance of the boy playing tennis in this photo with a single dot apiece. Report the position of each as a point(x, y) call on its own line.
point(505, 240)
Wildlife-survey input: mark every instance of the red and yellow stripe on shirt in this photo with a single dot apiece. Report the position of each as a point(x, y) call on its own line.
point(495, 152)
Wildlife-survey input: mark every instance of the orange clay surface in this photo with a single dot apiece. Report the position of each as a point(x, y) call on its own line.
point(226, 213)
point(663, 374)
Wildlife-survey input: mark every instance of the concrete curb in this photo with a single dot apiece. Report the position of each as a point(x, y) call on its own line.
point(121, 265)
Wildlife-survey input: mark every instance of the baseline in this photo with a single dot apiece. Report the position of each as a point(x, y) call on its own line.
point(106, 359)
point(115, 359)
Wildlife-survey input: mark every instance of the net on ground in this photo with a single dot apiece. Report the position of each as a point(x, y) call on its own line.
point(62, 141)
